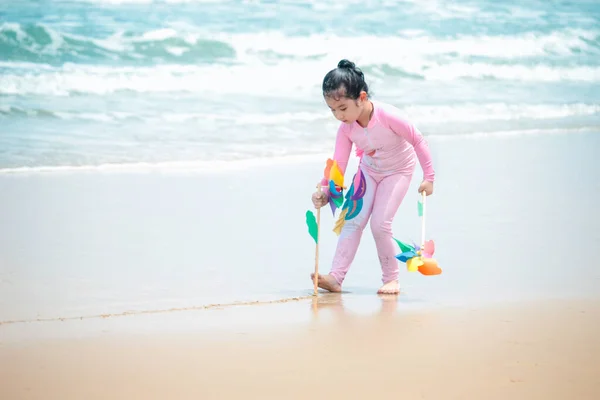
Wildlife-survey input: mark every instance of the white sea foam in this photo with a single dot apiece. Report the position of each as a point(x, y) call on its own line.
point(440, 113)
point(286, 79)
point(410, 44)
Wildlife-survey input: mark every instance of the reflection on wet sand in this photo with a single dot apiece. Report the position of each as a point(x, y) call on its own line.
point(335, 303)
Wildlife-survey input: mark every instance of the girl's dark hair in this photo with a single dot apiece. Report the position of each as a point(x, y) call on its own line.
point(344, 81)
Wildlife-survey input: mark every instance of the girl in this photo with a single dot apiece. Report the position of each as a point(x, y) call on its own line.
point(388, 147)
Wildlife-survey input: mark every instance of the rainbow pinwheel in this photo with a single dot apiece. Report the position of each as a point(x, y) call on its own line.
point(413, 255)
point(350, 207)
point(419, 258)
point(354, 201)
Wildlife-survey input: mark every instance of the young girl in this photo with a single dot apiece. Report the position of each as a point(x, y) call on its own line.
point(388, 147)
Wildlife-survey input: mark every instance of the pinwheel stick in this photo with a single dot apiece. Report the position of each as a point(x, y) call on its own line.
point(424, 195)
point(316, 279)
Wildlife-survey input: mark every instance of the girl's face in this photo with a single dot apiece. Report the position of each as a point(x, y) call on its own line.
point(345, 109)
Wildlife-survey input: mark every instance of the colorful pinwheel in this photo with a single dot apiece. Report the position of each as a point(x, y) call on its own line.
point(354, 201)
point(419, 258)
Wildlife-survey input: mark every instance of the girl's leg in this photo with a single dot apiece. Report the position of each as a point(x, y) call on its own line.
point(388, 197)
point(350, 236)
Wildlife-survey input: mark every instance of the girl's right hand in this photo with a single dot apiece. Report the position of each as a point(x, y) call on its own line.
point(319, 199)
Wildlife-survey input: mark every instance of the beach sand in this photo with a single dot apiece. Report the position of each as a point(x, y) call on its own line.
point(548, 350)
point(514, 315)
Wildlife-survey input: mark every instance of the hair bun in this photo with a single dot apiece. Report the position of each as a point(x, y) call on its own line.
point(345, 64)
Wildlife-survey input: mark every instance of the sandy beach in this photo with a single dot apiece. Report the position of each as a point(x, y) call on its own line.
point(92, 262)
point(547, 350)
point(158, 157)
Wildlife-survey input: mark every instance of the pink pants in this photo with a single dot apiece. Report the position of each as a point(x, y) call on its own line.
point(383, 196)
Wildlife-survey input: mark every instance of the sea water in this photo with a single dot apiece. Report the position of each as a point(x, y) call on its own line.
point(124, 85)
point(86, 83)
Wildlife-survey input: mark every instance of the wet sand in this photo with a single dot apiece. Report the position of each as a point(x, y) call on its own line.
point(508, 212)
point(535, 350)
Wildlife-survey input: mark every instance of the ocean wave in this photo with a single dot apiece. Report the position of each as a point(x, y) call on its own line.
point(170, 117)
point(418, 44)
point(538, 72)
point(432, 10)
point(429, 114)
point(41, 60)
point(184, 44)
point(287, 79)
point(37, 43)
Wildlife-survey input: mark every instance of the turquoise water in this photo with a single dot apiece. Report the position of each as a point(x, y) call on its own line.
point(94, 82)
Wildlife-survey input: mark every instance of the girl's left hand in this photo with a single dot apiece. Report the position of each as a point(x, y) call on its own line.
point(426, 187)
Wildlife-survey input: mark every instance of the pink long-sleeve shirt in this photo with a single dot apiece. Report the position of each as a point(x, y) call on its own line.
point(388, 145)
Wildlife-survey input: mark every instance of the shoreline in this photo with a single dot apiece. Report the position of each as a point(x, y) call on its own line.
point(265, 316)
point(157, 311)
point(236, 165)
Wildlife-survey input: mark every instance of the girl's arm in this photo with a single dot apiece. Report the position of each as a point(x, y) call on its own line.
point(412, 135)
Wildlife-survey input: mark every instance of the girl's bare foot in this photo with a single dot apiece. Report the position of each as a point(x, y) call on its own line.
point(390, 288)
point(327, 282)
